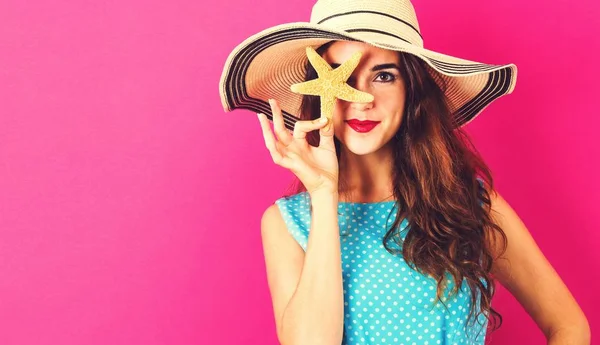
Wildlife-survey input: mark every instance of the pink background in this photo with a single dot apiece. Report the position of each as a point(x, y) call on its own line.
point(130, 203)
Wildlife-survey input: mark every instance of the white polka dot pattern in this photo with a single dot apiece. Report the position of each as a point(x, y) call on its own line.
point(385, 300)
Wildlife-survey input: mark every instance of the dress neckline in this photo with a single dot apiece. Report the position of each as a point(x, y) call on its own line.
point(366, 203)
point(363, 203)
point(370, 203)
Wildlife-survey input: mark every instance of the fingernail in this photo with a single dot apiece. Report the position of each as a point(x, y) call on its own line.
point(323, 120)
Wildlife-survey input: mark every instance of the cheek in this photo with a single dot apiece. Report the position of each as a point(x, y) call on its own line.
point(391, 95)
point(338, 122)
point(395, 115)
point(338, 112)
point(338, 108)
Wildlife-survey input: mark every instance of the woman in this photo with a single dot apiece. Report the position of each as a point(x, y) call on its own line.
point(337, 272)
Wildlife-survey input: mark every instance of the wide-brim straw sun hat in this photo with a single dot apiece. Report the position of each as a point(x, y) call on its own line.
point(267, 63)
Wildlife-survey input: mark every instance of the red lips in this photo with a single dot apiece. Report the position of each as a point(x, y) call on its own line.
point(362, 123)
point(362, 126)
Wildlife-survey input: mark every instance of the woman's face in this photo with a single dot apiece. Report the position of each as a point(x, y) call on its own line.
point(378, 74)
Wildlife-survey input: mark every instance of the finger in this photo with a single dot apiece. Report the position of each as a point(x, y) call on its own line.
point(270, 141)
point(327, 134)
point(282, 133)
point(302, 128)
point(274, 147)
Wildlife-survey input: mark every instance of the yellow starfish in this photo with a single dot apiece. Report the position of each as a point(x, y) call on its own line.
point(331, 83)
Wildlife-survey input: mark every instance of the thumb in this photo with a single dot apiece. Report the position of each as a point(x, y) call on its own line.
point(327, 133)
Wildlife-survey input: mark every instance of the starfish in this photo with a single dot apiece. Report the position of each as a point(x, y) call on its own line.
point(331, 83)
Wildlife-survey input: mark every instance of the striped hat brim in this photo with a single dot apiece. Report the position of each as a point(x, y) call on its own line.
point(266, 64)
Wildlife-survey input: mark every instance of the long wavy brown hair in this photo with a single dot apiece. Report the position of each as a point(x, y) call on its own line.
point(435, 182)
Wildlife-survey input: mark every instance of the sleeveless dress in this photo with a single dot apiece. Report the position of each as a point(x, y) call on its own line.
point(385, 300)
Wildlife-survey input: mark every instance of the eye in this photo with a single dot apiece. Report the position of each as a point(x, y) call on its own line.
point(390, 77)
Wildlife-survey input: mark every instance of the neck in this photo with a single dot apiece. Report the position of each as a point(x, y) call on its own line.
point(366, 178)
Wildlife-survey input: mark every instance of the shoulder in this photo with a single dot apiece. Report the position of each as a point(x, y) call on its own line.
point(273, 228)
point(291, 205)
point(271, 216)
point(275, 215)
point(281, 231)
point(289, 214)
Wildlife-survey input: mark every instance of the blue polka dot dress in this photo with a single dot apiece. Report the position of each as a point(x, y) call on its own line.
point(385, 300)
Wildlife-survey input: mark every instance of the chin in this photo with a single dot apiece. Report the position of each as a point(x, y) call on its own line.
point(361, 148)
point(360, 144)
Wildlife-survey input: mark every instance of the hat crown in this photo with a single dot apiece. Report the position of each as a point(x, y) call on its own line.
point(395, 18)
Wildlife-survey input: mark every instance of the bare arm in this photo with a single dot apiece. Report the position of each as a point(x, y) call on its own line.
point(307, 290)
point(528, 275)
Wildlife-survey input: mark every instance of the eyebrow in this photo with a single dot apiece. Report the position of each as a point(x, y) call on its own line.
point(376, 67)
